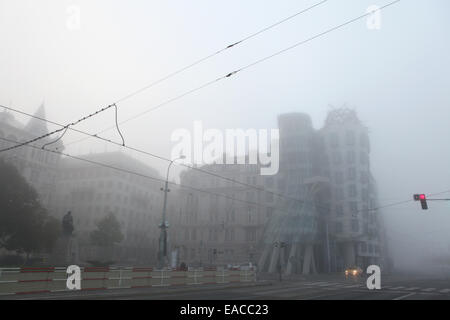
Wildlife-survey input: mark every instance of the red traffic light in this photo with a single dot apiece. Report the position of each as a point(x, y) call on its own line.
point(419, 197)
point(423, 200)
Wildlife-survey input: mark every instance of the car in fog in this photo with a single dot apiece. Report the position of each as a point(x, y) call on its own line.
point(353, 272)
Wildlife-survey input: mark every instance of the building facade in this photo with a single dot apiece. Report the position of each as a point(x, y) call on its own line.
point(317, 214)
point(38, 167)
point(91, 192)
point(224, 224)
point(357, 228)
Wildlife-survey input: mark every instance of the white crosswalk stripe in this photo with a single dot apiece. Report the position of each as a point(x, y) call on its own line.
point(353, 286)
point(397, 288)
point(327, 284)
point(412, 289)
point(316, 283)
point(444, 291)
point(428, 289)
point(342, 285)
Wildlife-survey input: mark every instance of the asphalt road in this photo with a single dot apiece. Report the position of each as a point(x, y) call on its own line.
point(308, 288)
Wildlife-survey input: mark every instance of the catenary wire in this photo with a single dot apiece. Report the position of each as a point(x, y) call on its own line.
point(209, 83)
point(254, 64)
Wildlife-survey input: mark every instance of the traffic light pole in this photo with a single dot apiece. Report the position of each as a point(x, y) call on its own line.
point(423, 200)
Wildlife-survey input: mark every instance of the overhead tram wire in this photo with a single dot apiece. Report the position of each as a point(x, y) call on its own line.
point(200, 61)
point(150, 177)
point(62, 129)
point(114, 104)
point(406, 201)
point(253, 35)
point(316, 36)
point(255, 63)
point(188, 187)
point(201, 87)
point(212, 173)
point(158, 157)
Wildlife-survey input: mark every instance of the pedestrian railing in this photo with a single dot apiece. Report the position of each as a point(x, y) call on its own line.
point(52, 279)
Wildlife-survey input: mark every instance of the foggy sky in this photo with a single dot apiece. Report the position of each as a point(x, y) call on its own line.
point(397, 79)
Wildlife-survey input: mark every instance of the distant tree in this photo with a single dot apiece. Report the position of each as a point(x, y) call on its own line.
point(25, 226)
point(51, 230)
point(108, 232)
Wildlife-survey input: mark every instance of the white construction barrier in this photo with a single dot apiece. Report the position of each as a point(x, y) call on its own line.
point(50, 279)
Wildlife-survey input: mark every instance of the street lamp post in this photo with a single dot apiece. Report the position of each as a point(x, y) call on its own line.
point(162, 254)
point(281, 245)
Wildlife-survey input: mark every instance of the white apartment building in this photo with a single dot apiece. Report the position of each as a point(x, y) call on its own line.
point(37, 166)
point(91, 192)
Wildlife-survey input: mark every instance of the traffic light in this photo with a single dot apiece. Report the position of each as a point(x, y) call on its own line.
point(423, 200)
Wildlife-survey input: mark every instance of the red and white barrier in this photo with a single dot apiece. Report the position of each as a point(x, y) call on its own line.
point(46, 280)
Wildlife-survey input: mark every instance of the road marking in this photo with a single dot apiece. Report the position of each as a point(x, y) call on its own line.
point(445, 291)
point(397, 288)
point(405, 296)
point(412, 289)
point(428, 289)
point(326, 284)
point(274, 291)
point(353, 286)
point(326, 295)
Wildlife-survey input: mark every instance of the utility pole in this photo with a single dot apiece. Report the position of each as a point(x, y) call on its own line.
point(281, 245)
point(328, 247)
point(162, 252)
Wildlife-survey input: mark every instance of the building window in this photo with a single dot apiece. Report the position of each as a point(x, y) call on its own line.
point(352, 190)
point(364, 178)
point(339, 227)
point(363, 158)
point(363, 247)
point(353, 207)
point(337, 158)
point(251, 235)
point(334, 140)
point(282, 184)
point(365, 195)
point(270, 182)
point(350, 138)
point(229, 235)
point(269, 213)
point(364, 140)
point(339, 177)
point(355, 225)
point(351, 157)
point(339, 194)
point(351, 174)
point(339, 210)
